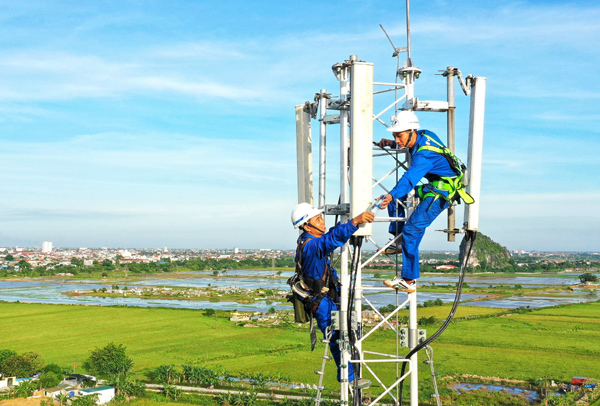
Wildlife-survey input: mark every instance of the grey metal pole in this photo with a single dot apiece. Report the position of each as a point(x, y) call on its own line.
point(450, 71)
point(413, 342)
point(344, 198)
point(408, 29)
point(322, 147)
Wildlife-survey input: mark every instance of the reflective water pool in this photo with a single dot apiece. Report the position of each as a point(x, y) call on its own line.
point(531, 395)
point(36, 291)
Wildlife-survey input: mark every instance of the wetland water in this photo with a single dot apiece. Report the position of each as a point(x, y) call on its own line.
point(531, 394)
point(51, 291)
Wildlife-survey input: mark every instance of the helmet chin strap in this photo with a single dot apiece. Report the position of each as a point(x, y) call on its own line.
point(410, 138)
point(316, 228)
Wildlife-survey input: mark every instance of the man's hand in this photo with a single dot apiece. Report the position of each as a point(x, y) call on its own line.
point(364, 217)
point(386, 200)
point(384, 143)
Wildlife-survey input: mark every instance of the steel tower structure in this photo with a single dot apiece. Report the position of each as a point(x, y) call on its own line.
point(353, 111)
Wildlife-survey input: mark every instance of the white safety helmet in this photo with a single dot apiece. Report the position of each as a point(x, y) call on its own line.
point(404, 120)
point(304, 212)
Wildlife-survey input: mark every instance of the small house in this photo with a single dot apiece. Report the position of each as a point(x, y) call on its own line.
point(105, 393)
point(77, 380)
point(63, 388)
point(7, 382)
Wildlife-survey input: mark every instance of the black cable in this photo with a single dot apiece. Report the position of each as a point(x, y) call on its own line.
point(470, 240)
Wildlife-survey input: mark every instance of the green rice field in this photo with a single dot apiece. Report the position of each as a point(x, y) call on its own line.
point(558, 342)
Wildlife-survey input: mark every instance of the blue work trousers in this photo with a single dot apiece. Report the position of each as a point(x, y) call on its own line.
point(323, 317)
point(414, 230)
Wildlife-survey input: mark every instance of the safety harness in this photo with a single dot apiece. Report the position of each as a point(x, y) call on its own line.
point(309, 292)
point(453, 185)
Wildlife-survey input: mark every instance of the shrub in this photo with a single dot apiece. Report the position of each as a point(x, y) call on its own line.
point(427, 321)
point(165, 374)
point(588, 277)
point(50, 379)
point(88, 400)
point(171, 391)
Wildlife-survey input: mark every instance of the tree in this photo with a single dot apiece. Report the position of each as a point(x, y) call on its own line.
point(87, 400)
point(171, 391)
point(35, 360)
point(24, 365)
point(110, 360)
point(588, 277)
point(126, 386)
point(50, 379)
point(57, 369)
point(9, 257)
point(4, 355)
point(165, 374)
point(225, 399)
point(62, 398)
point(22, 264)
point(25, 389)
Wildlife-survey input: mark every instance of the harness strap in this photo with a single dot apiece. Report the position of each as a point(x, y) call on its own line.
point(316, 286)
point(311, 302)
point(451, 184)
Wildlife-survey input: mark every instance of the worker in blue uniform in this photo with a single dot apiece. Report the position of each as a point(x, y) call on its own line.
point(319, 277)
point(430, 160)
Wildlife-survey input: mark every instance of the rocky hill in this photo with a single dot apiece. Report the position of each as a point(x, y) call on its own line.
point(486, 254)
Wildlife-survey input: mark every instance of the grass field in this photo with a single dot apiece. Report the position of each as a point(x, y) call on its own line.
point(559, 342)
point(556, 342)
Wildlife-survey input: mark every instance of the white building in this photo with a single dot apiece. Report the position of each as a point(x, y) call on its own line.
point(47, 247)
point(105, 393)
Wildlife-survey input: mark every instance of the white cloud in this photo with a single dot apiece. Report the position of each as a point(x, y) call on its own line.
point(59, 76)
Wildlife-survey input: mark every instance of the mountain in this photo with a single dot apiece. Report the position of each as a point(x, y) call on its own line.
point(486, 254)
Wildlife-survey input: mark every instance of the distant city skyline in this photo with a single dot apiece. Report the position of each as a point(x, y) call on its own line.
point(172, 123)
point(236, 250)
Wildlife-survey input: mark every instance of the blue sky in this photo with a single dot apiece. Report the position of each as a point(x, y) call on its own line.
point(155, 123)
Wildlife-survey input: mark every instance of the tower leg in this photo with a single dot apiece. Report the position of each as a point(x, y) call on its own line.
point(413, 341)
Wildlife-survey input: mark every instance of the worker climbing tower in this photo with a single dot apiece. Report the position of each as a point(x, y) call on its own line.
point(352, 111)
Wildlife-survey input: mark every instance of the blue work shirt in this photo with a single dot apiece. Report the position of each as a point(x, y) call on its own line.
point(425, 164)
point(314, 254)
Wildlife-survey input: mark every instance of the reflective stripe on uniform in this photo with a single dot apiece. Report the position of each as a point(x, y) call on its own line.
point(453, 185)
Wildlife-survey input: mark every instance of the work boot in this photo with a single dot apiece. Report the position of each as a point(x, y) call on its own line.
point(393, 249)
point(400, 283)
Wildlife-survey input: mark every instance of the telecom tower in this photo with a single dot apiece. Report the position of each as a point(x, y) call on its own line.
point(353, 111)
